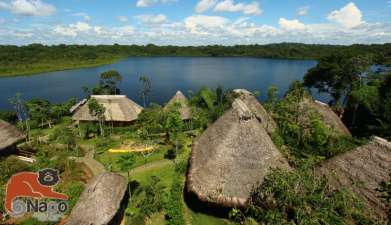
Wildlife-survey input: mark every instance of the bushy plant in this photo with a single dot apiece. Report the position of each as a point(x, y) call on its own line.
point(299, 197)
point(174, 205)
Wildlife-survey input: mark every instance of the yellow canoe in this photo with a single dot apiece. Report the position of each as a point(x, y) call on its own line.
point(146, 149)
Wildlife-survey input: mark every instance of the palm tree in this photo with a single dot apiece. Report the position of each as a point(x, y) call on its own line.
point(146, 89)
point(125, 163)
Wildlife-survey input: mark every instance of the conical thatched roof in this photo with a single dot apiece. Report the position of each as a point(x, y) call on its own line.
point(100, 201)
point(119, 108)
point(184, 109)
point(9, 135)
point(231, 158)
point(329, 117)
point(361, 171)
point(259, 111)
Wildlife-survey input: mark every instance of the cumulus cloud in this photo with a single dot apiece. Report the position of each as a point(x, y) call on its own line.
point(205, 5)
point(147, 3)
point(349, 16)
point(230, 6)
point(152, 19)
point(73, 29)
point(198, 23)
point(122, 19)
point(29, 7)
point(291, 25)
point(303, 11)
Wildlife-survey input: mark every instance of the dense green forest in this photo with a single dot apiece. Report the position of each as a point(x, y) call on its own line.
point(34, 58)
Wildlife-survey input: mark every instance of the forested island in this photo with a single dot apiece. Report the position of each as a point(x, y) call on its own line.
point(36, 58)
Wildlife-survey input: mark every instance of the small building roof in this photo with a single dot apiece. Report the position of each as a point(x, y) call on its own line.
point(9, 135)
point(231, 158)
point(259, 111)
point(100, 201)
point(184, 109)
point(330, 118)
point(119, 108)
point(361, 171)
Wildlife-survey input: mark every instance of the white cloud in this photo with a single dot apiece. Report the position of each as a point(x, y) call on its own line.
point(147, 3)
point(349, 16)
point(230, 6)
point(74, 29)
point(204, 5)
point(198, 23)
point(303, 11)
point(152, 19)
point(29, 7)
point(291, 25)
point(123, 19)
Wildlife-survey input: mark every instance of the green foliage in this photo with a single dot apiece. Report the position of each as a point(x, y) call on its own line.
point(109, 81)
point(97, 110)
point(181, 166)
point(303, 130)
point(8, 116)
point(174, 206)
point(153, 200)
point(300, 197)
point(211, 104)
point(237, 216)
point(337, 74)
point(126, 162)
point(74, 190)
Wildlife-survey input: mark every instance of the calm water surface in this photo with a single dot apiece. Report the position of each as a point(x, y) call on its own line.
point(167, 74)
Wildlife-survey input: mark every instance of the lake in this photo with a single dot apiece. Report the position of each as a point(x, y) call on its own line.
point(168, 74)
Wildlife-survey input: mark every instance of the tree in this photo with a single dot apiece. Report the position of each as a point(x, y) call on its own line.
point(21, 111)
point(126, 163)
point(39, 110)
point(97, 110)
point(109, 81)
point(337, 74)
point(146, 89)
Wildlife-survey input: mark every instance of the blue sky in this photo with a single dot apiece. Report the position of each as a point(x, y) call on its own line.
point(194, 22)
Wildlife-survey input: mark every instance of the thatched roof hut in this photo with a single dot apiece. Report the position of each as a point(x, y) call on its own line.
point(100, 202)
point(329, 117)
point(119, 108)
point(259, 111)
point(231, 158)
point(184, 109)
point(361, 171)
point(9, 135)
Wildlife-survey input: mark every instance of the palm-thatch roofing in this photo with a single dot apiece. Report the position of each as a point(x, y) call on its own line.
point(329, 117)
point(231, 158)
point(100, 201)
point(118, 108)
point(259, 111)
point(184, 109)
point(361, 171)
point(9, 135)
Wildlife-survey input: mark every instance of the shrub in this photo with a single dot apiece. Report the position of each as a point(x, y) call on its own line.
point(174, 205)
point(299, 197)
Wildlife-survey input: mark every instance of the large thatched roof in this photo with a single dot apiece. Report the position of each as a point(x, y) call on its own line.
point(100, 201)
point(361, 171)
point(330, 118)
point(9, 135)
point(119, 108)
point(259, 111)
point(231, 158)
point(184, 108)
